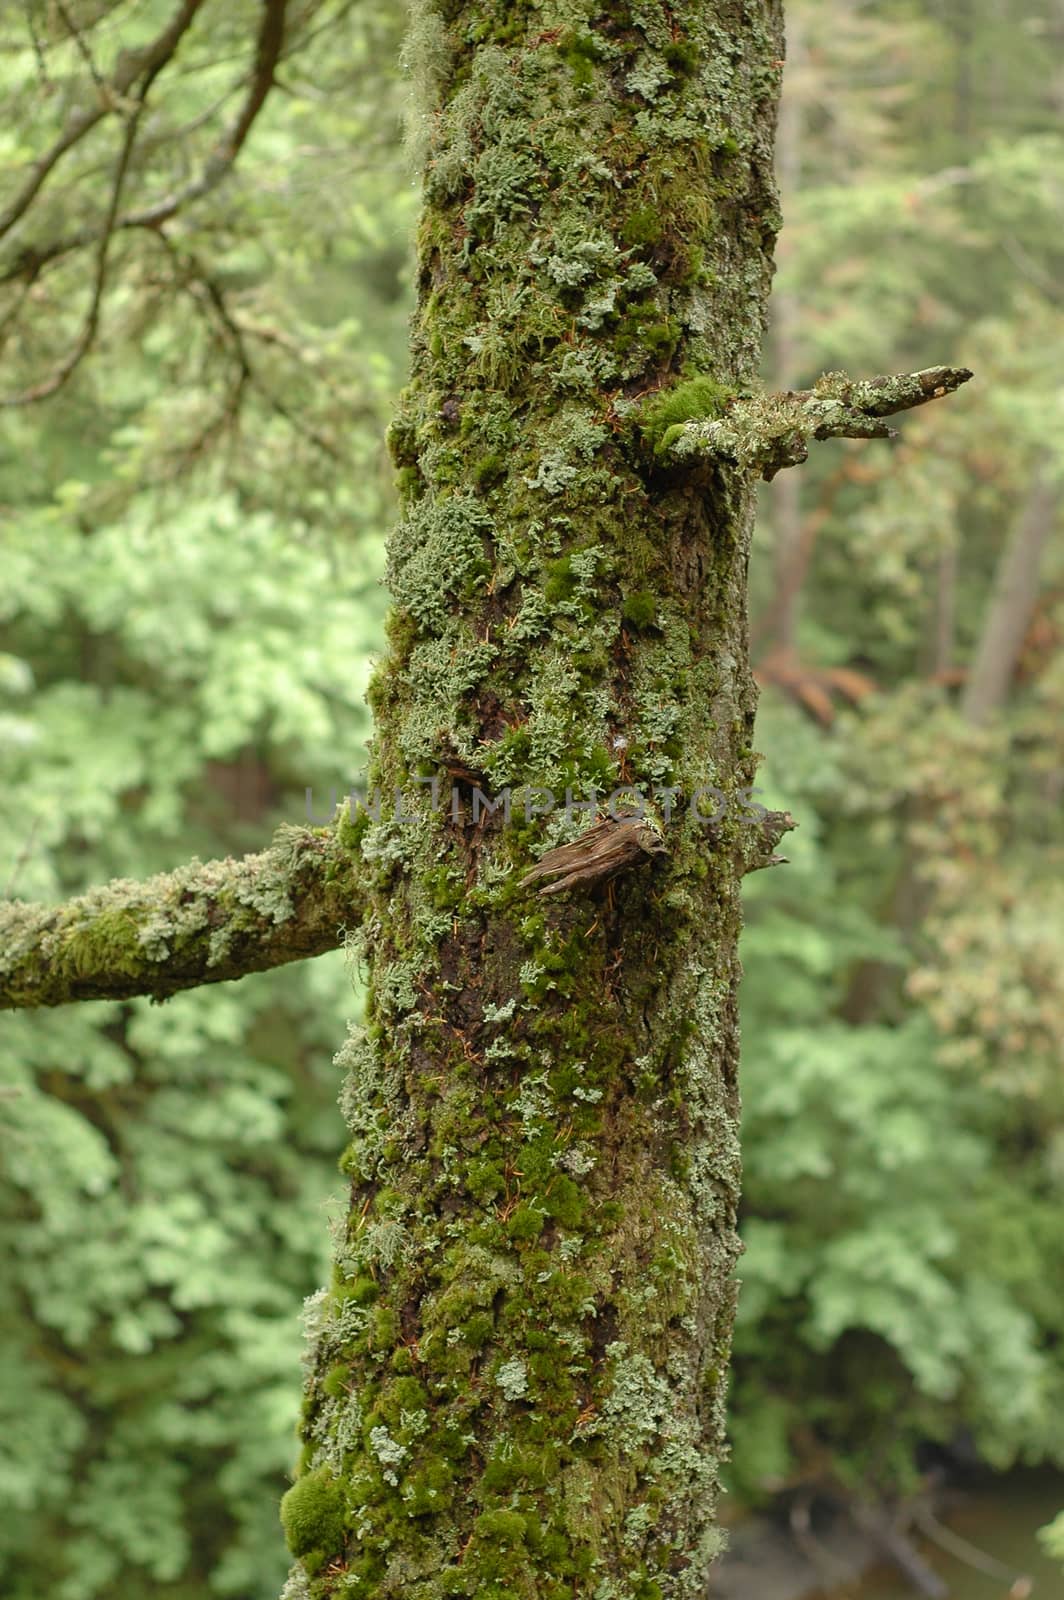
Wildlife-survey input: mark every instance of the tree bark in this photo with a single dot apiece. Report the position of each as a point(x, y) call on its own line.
point(1012, 602)
point(518, 1387)
point(517, 1381)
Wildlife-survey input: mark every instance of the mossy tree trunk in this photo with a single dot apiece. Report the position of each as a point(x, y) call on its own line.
point(517, 1378)
point(520, 1364)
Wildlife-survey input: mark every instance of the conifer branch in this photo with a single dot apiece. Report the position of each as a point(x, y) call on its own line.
point(203, 923)
point(29, 262)
point(767, 432)
point(109, 97)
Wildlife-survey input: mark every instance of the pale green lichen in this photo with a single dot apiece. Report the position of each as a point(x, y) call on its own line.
point(199, 924)
point(525, 1283)
point(512, 1379)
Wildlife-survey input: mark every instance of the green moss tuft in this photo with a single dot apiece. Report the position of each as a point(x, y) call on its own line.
point(580, 52)
point(564, 1202)
point(490, 469)
point(640, 609)
point(526, 1223)
point(312, 1513)
point(682, 57)
point(363, 1291)
point(643, 226)
point(507, 1528)
point(690, 401)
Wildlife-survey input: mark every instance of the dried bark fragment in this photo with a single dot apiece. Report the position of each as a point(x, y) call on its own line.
point(608, 847)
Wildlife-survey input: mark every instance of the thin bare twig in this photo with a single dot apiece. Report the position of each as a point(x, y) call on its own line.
point(67, 367)
point(38, 48)
point(236, 336)
point(22, 858)
point(969, 1554)
point(82, 45)
point(131, 66)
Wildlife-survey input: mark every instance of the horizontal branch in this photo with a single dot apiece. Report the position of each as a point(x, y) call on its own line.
point(204, 923)
point(216, 921)
point(766, 432)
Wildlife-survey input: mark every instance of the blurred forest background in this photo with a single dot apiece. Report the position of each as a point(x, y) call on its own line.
point(191, 545)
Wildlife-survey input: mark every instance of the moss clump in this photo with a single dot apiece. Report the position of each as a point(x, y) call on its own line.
point(682, 57)
point(312, 1513)
point(489, 469)
point(642, 327)
point(640, 609)
point(351, 829)
point(526, 1223)
point(580, 52)
point(110, 943)
point(502, 1527)
point(564, 1202)
point(336, 1380)
point(643, 226)
point(691, 401)
point(363, 1291)
point(484, 1180)
point(559, 580)
point(408, 483)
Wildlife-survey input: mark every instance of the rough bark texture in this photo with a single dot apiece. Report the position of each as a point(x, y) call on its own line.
point(518, 1381)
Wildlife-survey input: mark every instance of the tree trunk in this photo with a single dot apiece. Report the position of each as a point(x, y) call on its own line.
point(1012, 600)
point(518, 1380)
point(517, 1377)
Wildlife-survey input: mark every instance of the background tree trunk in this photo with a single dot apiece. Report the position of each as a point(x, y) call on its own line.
point(520, 1363)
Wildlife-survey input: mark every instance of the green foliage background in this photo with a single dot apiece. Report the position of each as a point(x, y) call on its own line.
point(188, 610)
point(190, 601)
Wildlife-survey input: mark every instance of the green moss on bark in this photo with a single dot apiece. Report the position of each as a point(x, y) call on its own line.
point(532, 1293)
point(203, 923)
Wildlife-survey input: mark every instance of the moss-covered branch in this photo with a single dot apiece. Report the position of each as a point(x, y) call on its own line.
point(204, 923)
point(765, 432)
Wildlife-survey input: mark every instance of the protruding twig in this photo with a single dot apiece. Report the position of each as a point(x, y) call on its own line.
point(761, 841)
point(769, 431)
